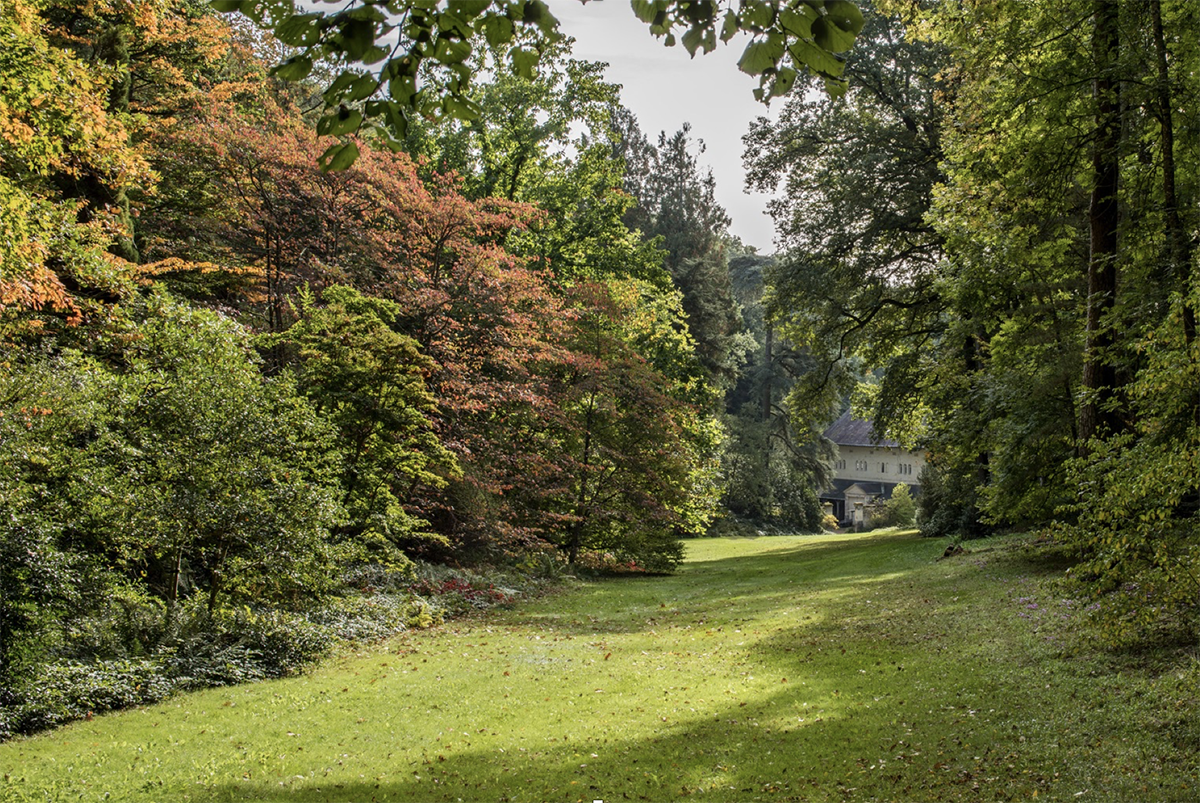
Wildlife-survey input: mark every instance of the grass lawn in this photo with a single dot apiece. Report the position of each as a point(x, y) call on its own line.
point(785, 668)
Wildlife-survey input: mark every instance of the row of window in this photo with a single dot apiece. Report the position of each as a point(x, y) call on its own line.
point(862, 465)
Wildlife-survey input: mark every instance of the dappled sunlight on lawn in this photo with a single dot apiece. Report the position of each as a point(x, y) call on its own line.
point(796, 668)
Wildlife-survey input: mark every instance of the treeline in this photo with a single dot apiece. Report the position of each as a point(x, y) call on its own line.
point(992, 242)
point(249, 407)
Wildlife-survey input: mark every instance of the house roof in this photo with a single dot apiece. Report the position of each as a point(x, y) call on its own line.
point(838, 489)
point(851, 431)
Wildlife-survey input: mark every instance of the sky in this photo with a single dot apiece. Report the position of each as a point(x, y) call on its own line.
point(665, 88)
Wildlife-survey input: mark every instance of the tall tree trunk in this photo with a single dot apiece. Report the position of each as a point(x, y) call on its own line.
point(768, 373)
point(1178, 243)
point(1096, 416)
point(576, 538)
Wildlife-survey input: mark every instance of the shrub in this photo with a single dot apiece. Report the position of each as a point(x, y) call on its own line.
point(595, 562)
point(900, 510)
point(232, 646)
point(68, 691)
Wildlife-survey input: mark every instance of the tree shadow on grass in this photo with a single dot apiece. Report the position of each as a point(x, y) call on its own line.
point(838, 725)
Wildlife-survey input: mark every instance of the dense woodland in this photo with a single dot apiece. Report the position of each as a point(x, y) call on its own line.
point(285, 362)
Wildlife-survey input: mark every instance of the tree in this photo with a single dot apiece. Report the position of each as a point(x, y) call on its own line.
point(773, 467)
point(367, 379)
point(202, 476)
point(54, 123)
point(427, 73)
point(677, 208)
point(547, 140)
point(900, 510)
point(631, 494)
point(857, 286)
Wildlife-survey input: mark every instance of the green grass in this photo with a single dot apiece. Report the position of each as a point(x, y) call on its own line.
point(784, 668)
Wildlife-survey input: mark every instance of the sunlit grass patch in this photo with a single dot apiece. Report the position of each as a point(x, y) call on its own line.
point(827, 667)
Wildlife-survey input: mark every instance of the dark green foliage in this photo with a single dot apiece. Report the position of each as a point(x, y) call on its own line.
point(947, 506)
point(857, 285)
point(44, 578)
point(1138, 509)
point(766, 480)
point(69, 691)
point(176, 475)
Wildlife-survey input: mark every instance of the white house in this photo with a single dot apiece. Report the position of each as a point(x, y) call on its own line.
point(866, 470)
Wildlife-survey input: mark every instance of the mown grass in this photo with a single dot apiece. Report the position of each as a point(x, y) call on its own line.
point(784, 668)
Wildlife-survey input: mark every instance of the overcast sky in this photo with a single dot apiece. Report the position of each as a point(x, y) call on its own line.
point(665, 88)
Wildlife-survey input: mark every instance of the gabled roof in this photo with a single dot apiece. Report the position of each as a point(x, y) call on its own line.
point(839, 488)
point(851, 431)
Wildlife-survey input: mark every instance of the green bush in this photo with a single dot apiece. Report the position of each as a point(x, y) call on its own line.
point(69, 691)
point(900, 510)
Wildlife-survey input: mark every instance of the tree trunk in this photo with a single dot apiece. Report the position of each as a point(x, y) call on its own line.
point(1096, 416)
point(1178, 243)
point(576, 539)
point(768, 374)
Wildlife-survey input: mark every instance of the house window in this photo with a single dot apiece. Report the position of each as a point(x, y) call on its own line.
point(883, 468)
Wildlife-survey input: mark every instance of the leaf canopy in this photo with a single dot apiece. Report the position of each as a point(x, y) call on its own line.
point(427, 70)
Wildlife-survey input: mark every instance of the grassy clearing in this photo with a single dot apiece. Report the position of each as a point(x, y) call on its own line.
point(786, 668)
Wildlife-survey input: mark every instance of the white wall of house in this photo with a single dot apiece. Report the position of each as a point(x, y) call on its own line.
point(878, 464)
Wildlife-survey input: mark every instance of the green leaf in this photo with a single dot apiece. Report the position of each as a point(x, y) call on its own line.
point(829, 34)
point(453, 25)
point(226, 5)
point(300, 30)
point(785, 79)
point(375, 54)
point(338, 157)
point(396, 118)
point(358, 36)
point(820, 61)
point(700, 12)
point(661, 24)
point(797, 24)
point(449, 51)
point(364, 87)
point(333, 93)
point(344, 121)
point(469, 9)
point(645, 10)
point(692, 39)
point(524, 62)
point(845, 15)
point(757, 14)
point(730, 26)
point(498, 30)
point(294, 69)
point(762, 55)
